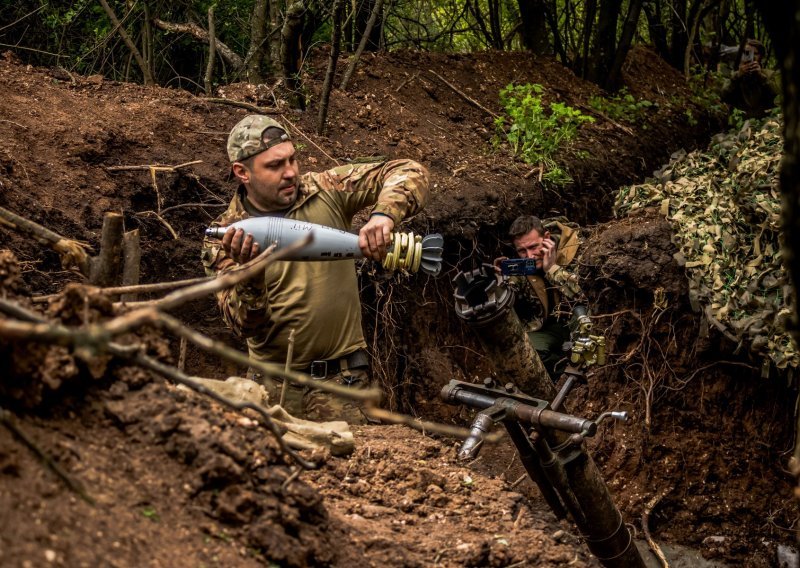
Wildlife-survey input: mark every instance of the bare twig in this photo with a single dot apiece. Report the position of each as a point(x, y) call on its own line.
point(182, 355)
point(648, 509)
point(240, 104)
point(212, 50)
point(406, 82)
point(197, 32)
point(310, 141)
point(427, 427)
point(191, 205)
point(163, 222)
point(273, 369)
point(373, 16)
point(288, 366)
point(139, 289)
point(15, 124)
point(336, 18)
point(148, 76)
point(467, 98)
point(72, 484)
point(133, 353)
point(151, 167)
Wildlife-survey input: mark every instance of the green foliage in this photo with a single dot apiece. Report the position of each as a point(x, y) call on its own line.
point(151, 513)
point(622, 106)
point(535, 130)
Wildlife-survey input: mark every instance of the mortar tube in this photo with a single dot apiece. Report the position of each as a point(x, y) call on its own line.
point(504, 340)
point(534, 467)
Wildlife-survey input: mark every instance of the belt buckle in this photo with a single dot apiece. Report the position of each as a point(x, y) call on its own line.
point(319, 369)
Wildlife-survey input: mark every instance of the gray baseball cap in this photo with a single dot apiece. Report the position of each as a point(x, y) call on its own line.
point(247, 138)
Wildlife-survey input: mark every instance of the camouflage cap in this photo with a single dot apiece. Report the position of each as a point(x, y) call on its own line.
point(247, 137)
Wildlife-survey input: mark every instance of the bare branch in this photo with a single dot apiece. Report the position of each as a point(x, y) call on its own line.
point(199, 33)
point(470, 100)
point(73, 253)
point(148, 76)
point(151, 167)
point(73, 485)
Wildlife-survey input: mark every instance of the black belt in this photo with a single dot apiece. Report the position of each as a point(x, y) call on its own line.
point(322, 369)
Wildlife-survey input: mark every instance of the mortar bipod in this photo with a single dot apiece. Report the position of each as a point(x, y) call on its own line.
point(508, 404)
point(564, 473)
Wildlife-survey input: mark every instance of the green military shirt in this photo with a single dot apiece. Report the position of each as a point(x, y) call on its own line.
point(319, 300)
point(554, 293)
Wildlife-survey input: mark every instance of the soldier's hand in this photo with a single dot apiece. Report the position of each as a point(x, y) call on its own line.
point(497, 262)
point(549, 252)
point(373, 238)
point(240, 247)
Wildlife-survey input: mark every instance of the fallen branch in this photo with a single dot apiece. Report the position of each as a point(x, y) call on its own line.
point(240, 104)
point(606, 117)
point(267, 369)
point(427, 427)
point(648, 509)
point(151, 167)
point(138, 289)
point(160, 218)
point(310, 141)
point(134, 354)
point(73, 485)
point(199, 33)
point(72, 253)
point(467, 98)
point(191, 205)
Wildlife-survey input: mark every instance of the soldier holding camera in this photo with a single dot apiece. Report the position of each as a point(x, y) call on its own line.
point(752, 89)
point(550, 301)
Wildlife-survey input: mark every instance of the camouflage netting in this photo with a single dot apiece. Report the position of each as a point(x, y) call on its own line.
point(725, 207)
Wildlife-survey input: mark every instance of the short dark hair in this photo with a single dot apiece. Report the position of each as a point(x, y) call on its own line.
point(759, 47)
point(524, 224)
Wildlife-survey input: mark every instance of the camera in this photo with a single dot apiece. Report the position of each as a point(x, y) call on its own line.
point(519, 267)
point(748, 55)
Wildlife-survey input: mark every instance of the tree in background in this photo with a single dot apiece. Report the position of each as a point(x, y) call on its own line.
point(266, 40)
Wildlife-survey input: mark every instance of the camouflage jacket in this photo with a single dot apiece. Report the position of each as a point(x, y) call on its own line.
point(753, 93)
point(558, 291)
point(319, 300)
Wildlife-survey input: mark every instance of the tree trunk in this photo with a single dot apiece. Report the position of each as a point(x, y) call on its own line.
point(680, 33)
point(336, 34)
point(534, 26)
point(588, 30)
point(550, 13)
point(494, 24)
point(258, 34)
point(604, 42)
point(782, 20)
point(362, 44)
point(147, 76)
point(212, 53)
point(628, 30)
point(290, 53)
point(364, 9)
point(656, 28)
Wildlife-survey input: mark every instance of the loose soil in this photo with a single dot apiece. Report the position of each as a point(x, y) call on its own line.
point(175, 479)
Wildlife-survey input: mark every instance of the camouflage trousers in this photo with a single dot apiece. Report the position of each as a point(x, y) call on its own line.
point(309, 403)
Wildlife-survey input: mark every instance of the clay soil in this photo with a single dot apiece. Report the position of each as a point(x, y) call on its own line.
point(164, 477)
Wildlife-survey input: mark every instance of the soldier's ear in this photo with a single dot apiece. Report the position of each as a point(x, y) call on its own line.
point(241, 172)
point(547, 234)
